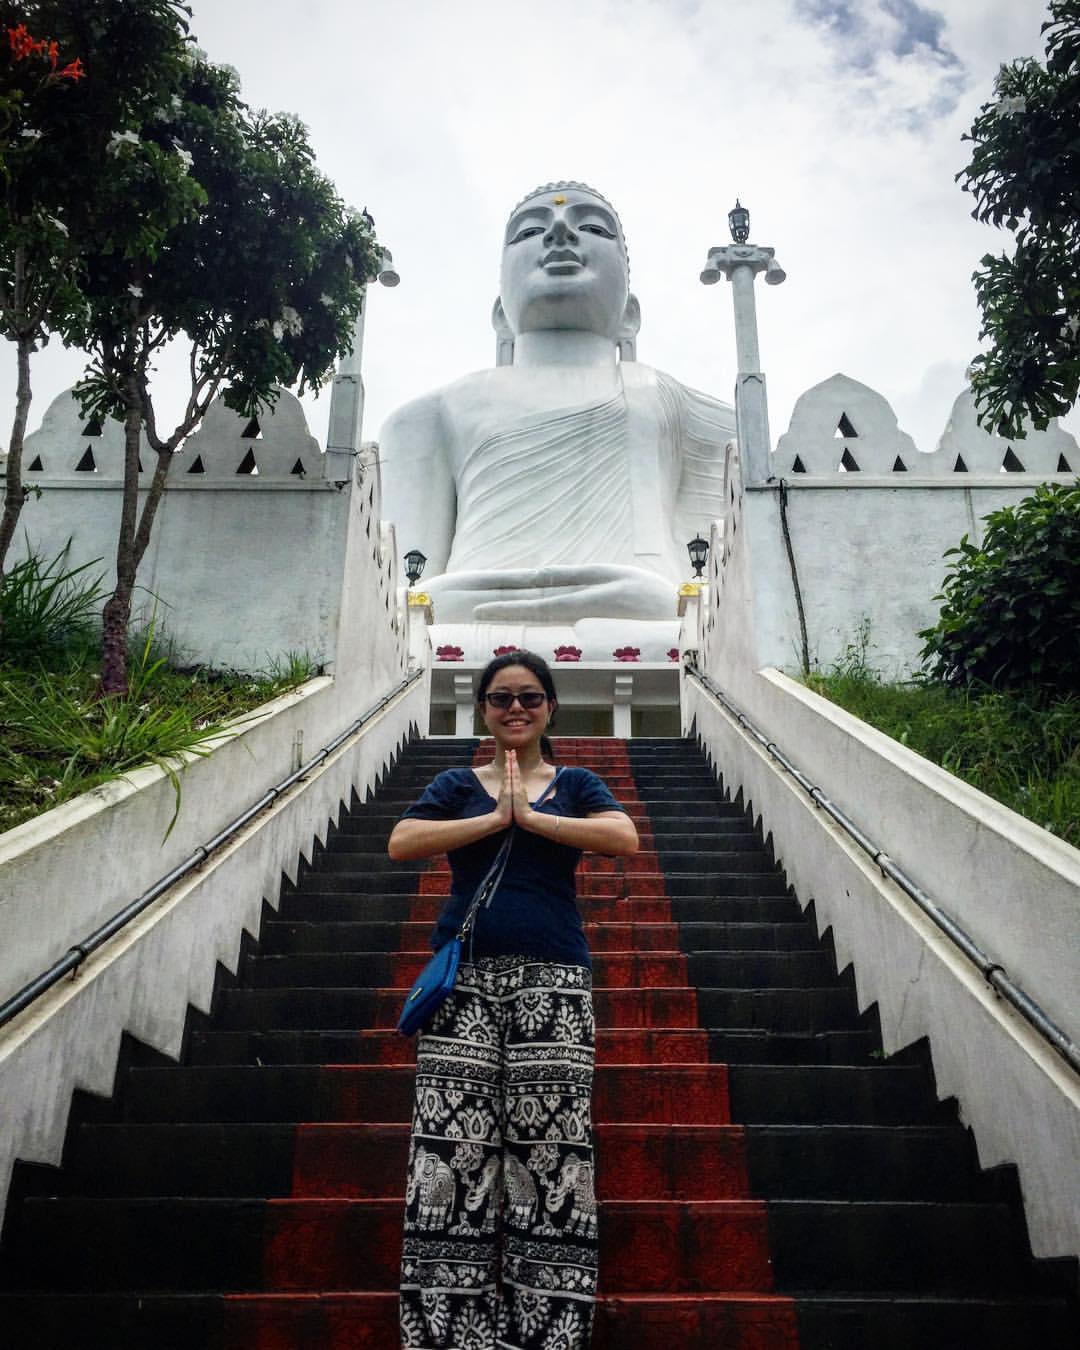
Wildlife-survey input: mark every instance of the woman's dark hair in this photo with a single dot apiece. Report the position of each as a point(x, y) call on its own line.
point(536, 665)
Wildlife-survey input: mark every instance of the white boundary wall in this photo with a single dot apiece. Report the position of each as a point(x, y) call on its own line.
point(66, 872)
point(865, 539)
point(1012, 886)
point(244, 563)
point(69, 870)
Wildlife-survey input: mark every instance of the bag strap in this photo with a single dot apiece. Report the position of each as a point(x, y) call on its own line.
point(494, 875)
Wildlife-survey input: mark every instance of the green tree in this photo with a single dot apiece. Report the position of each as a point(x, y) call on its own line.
point(1025, 176)
point(1010, 616)
point(264, 281)
point(55, 124)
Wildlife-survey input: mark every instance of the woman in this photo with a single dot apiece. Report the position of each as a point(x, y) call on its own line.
point(500, 1162)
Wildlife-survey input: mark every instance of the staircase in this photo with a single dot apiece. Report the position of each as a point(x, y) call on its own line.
point(767, 1179)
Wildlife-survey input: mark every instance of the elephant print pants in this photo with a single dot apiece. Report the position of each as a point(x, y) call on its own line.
point(500, 1212)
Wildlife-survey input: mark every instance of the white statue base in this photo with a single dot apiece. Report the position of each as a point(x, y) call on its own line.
point(589, 641)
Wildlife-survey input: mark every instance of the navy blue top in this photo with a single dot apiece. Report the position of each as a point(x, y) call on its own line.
point(534, 911)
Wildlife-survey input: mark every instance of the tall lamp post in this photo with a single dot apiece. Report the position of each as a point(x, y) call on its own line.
point(740, 262)
point(347, 393)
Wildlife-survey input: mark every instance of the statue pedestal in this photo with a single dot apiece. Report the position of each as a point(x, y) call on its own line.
point(599, 693)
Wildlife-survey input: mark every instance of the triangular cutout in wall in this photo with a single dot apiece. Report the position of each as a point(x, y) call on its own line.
point(93, 427)
point(252, 431)
point(798, 466)
point(844, 427)
point(87, 464)
point(36, 466)
point(899, 466)
point(247, 464)
point(847, 461)
point(959, 466)
point(197, 465)
point(1063, 465)
point(298, 469)
point(1010, 463)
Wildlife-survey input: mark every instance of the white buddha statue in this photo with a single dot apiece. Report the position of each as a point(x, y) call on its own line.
point(561, 487)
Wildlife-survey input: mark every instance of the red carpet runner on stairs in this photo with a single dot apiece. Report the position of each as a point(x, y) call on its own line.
point(684, 1245)
point(768, 1178)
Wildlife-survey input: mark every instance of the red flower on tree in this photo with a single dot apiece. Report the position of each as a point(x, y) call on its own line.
point(23, 44)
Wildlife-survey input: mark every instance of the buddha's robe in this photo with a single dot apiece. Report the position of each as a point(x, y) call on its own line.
point(569, 512)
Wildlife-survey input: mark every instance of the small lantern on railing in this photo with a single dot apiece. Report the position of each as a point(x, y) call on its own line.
point(699, 554)
point(738, 219)
point(414, 565)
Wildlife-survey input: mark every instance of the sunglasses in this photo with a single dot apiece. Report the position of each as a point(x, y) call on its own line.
point(529, 698)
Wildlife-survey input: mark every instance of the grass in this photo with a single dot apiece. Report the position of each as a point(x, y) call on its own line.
point(1023, 751)
point(57, 739)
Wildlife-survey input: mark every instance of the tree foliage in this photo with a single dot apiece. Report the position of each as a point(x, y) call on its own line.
point(71, 72)
point(1025, 177)
point(1010, 616)
point(184, 215)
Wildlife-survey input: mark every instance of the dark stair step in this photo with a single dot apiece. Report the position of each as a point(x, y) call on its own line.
point(625, 1322)
point(727, 836)
point(685, 1094)
point(777, 1010)
point(318, 905)
point(948, 1248)
point(386, 1047)
point(834, 1162)
point(278, 937)
point(737, 970)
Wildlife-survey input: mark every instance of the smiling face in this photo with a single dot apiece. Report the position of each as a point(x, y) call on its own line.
point(516, 727)
point(564, 265)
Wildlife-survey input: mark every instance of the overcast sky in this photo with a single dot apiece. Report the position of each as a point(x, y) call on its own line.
point(837, 122)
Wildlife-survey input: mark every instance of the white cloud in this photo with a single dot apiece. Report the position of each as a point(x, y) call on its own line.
point(843, 142)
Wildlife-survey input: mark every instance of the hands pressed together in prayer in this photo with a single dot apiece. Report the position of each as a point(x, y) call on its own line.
point(610, 832)
point(512, 801)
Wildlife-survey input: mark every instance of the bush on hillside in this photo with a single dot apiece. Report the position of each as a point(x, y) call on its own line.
point(1010, 616)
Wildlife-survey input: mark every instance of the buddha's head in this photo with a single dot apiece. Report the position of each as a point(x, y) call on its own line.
point(564, 264)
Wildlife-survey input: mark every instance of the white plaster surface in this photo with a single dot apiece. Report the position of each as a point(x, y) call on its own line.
point(841, 416)
point(242, 568)
point(867, 548)
point(1013, 887)
point(144, 979)
point(64, 873)
point(868, 545)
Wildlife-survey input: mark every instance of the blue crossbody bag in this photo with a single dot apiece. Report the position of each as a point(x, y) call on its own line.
point(432, 986)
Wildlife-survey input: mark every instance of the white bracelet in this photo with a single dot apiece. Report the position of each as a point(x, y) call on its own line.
point(558, 827)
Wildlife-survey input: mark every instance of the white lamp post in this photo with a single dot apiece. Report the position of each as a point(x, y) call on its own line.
point(347, 393)
point(740, 262)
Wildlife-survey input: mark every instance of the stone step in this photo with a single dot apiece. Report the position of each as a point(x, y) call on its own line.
point(619, 970)
point(628, 1321)
point(675, 1093)
point(278, 937)
point(100, 1244)
point(756, 876)
point(805, 1011)
point(315, 905)
point(682, 1162)
point(614, 1045)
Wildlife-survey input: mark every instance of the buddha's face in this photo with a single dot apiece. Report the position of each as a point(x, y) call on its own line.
point(564, 265)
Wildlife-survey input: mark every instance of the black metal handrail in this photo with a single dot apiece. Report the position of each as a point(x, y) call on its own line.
point(994, 973)
point(77, 954)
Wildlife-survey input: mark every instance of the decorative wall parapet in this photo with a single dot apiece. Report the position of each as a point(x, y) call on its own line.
point(273, 448)
point(843, 427)
point(254, 546)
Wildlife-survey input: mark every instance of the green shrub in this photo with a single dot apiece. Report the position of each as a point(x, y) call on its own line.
point(47, 607)
point(1010, 616)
